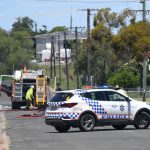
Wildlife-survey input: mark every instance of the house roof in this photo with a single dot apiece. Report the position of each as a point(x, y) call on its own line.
point(69, 35)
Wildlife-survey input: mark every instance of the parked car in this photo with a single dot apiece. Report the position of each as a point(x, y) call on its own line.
point(95, 107)
point(6, 88)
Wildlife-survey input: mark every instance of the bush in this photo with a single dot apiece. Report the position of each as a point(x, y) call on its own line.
point(125, 77)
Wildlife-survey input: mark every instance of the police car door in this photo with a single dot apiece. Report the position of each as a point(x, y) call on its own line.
point(102, 106)
point(97, 101)
point(120, 106)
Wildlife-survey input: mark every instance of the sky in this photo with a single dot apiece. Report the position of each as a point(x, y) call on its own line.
point(54, 13)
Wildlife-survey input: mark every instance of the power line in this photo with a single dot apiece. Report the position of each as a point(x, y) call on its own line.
point(77, 52)
point(90, 1)
point(88, 81)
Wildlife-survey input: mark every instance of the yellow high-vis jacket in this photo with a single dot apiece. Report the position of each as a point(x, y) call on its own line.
point(29, 94)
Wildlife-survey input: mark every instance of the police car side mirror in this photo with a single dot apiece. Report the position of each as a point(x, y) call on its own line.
point(128, 99)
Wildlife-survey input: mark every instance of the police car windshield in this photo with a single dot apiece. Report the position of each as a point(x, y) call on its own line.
point(59, 97)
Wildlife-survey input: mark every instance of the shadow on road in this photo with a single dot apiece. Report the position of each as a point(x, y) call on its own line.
point(101, 130)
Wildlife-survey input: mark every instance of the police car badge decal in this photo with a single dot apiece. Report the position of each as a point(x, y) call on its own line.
point(122, 107)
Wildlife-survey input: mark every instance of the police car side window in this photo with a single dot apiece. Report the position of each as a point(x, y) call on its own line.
point(113, 96)
point(87, 95)
point(58, 97)
point(100, 96)
point(94, 95)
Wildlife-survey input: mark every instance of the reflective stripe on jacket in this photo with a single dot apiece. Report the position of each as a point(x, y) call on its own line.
point(29, 94)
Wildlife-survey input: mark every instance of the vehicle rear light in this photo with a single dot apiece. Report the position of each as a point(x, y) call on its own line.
point(68, 105)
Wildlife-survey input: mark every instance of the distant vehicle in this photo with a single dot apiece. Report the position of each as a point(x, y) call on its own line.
point(95, 107)
point(20, 82)
point(5, 85)
point(103, 86)
point(6, 89)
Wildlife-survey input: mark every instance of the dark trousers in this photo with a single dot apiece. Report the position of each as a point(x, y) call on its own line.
point(29, 103)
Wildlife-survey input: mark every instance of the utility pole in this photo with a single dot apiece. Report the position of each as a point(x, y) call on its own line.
point(88, 80)
point(51, 63)
point(54, 62)
point(144, 81)
point(59, 58)
point(77, 65)
point(77, 52)
point(66, 58)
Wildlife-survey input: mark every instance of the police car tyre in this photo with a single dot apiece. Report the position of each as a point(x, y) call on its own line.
point(63, 128)
point(142, 121)
point(119, 127)
point(87, 122)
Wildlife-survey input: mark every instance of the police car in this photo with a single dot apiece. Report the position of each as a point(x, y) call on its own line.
point(95, 107)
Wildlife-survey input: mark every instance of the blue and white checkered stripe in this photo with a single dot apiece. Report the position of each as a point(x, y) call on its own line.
point(55, 104)
point(63, 115)
point(79, 91)
point(96, 107)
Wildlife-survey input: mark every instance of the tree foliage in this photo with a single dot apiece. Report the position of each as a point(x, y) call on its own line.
point(16, 50)
point(102, 61)
point(116, 40)
point(58, 29)
point(125, 78)
point(18, 59)
point(23, 24)
point(106, 21)
point(113, 19)
point(24, 39)
point(132, 41)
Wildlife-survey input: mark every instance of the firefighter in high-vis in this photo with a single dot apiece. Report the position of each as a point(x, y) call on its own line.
point(29, 97)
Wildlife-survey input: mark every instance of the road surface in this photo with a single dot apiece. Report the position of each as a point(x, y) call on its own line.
point(28, 132)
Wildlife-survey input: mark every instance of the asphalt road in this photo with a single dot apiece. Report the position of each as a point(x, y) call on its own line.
point(31, 133)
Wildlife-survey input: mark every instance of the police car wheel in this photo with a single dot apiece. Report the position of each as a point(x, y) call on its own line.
point(63, 128)
point(87, 122)
point(119, 127)
point(142, 121)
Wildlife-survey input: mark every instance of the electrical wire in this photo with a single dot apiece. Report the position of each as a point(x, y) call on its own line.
point(90, 1)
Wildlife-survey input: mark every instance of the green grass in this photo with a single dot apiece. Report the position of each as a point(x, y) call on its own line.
point(63, 81)
point(138, 96)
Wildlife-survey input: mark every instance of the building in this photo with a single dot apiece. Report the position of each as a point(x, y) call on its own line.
point(48, 45)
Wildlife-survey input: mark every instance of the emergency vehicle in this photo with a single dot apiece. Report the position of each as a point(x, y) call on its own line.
point(95, 107)
point(22, 81)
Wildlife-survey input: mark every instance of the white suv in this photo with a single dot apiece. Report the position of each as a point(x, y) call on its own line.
point(96, 107)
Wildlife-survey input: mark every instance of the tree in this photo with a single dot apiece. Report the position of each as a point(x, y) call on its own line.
point(3, 32)
point(18, 59)
point(132, 42)
point(124, 78)
point(23, 24)
point(3, 68)
point(58, 29)
point(25, 40)
point(102, 61)
point(113, 19)
point(15, 51)
point(105, 22)
point(6, 45)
